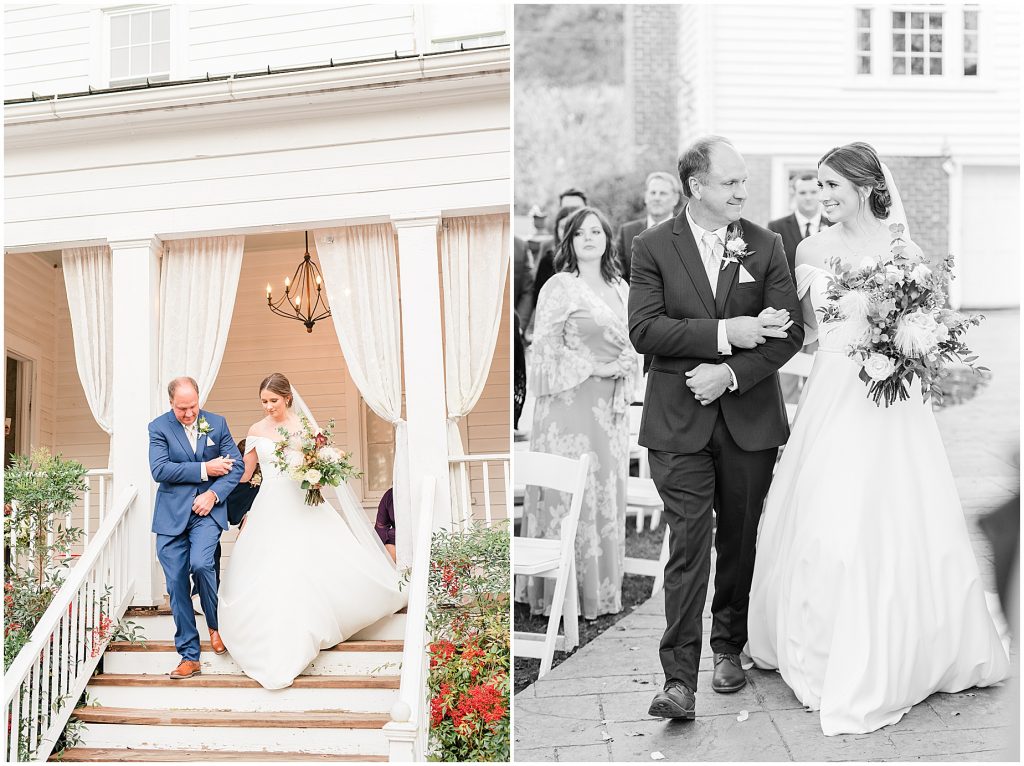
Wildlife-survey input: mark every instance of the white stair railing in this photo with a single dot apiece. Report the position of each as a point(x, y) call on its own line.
point(48, 676)
point(409, 727)
point(464, 470)
point(95, 505)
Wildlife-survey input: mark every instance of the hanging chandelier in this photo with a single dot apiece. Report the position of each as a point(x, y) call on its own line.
point(303, 296)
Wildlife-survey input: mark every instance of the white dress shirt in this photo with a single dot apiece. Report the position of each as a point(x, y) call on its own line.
point(802, 221)
point(192, 434)
point(712, 265)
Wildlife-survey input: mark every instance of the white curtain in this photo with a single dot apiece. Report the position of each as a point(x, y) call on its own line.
point(89, 284)
point(474, 272)
point(198, 282)
point(349, 508)
point(361, 276)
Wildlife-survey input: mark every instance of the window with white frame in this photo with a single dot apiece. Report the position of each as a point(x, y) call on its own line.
point(378, 452)
point(140, 45)
point(863, 40)
point(971, 42)
point(453, 26)
point(917, 43)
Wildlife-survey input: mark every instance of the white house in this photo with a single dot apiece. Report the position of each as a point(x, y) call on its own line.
point(156, 130)
point(934, 87)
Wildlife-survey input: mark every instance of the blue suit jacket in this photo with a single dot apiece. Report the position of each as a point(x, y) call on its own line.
point(178, 470)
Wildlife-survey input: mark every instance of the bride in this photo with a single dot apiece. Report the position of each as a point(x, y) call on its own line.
point(300, 578)
point(866, 594)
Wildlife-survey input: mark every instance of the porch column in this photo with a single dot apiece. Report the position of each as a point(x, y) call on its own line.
point(423, 358)
point(136, 279)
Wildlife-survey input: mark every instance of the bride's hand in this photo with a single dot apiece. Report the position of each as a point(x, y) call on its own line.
point(773, 317)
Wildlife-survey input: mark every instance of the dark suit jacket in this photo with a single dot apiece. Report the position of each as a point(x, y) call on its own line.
point(673, 317)
point(627, 231)
point(791, 236)
point(522, 300)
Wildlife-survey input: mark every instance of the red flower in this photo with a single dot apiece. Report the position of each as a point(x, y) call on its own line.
point(321, 440)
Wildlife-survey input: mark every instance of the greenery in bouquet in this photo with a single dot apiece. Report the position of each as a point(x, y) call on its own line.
point(898, 305)
point(468, 621)
point(310, 458)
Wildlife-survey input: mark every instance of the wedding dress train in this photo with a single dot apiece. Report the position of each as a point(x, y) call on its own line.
point(298, 581)
point(866, 594)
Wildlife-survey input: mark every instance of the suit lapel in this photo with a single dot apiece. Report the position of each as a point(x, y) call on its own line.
point(686, 248)
point(179, 432)
point(794, 227)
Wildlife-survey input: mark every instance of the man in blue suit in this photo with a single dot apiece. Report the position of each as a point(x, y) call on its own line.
point(195, 461)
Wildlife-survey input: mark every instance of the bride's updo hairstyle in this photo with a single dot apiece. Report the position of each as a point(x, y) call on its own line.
point(276, 383)
point(858, 163)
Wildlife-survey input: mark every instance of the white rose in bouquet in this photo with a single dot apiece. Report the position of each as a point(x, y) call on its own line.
point(879, 366)
point(294, 458)
point(916, 333)
point(313, 476)
point(920, 273)
point(329, 454)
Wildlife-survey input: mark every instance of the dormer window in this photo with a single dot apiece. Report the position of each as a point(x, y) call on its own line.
point(140, 46)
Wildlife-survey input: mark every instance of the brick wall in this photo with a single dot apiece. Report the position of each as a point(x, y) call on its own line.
point(652, 82)
point(924, 187)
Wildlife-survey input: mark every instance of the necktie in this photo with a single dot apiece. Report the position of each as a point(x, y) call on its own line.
point(190, 431)
point(807, 229)
point(712, 260)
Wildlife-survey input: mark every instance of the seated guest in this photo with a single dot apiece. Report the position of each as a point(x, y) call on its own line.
point(385, 524)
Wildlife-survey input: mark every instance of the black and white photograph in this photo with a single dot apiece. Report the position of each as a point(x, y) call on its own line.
point(767, 347)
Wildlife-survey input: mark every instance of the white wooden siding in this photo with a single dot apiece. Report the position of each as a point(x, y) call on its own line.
point(30, 296)
point(782, 82)
point(60, 48)
point(243, 38)
point(325, 166)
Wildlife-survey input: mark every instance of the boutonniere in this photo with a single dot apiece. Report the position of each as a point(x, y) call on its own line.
point(735, 246)
point(204, 427)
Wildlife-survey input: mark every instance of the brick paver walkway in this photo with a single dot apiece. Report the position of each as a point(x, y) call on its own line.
point(593, 707)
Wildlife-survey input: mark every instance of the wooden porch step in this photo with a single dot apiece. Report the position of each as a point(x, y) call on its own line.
point(105, 754)
point(257, 720)
point(204, 646)
point(164, 609)
point(226, 681)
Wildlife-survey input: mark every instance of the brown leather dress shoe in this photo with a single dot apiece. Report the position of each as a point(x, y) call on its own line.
point(676, 701)
point(186, 669)
point(728, 676)
point(217, 643)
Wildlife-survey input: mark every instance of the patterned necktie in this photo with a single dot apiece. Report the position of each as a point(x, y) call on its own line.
point(712, 260)
point(190, 431)
point(807, 230)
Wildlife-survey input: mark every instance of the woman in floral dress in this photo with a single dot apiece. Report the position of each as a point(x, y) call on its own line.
point(583, 372)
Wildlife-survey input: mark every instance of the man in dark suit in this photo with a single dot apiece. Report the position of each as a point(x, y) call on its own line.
point(522, 274)
point(661, 195)
point(717, 319)
point(806, 218)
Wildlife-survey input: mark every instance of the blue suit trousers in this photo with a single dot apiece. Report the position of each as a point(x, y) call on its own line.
point(182, 555)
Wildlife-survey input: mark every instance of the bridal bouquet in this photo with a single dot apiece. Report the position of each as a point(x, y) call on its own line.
point(897, 305)
point(310, 458)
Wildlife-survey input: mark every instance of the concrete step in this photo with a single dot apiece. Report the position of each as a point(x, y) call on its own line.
point(158, 625)
point(240, 693)
point(350, 658)
point(231, 731)
point(113, 755)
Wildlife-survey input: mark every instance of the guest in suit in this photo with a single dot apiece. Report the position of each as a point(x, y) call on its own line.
point(522, 273)
point(385, 524)
point(572, 198)
point(661, 196)
point(806, 218)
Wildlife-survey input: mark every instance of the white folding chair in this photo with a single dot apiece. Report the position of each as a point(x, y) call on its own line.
point(551, 558)
point(800, 365)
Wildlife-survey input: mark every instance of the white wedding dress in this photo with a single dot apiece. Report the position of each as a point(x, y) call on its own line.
point(298, 581)
point(866, 594)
